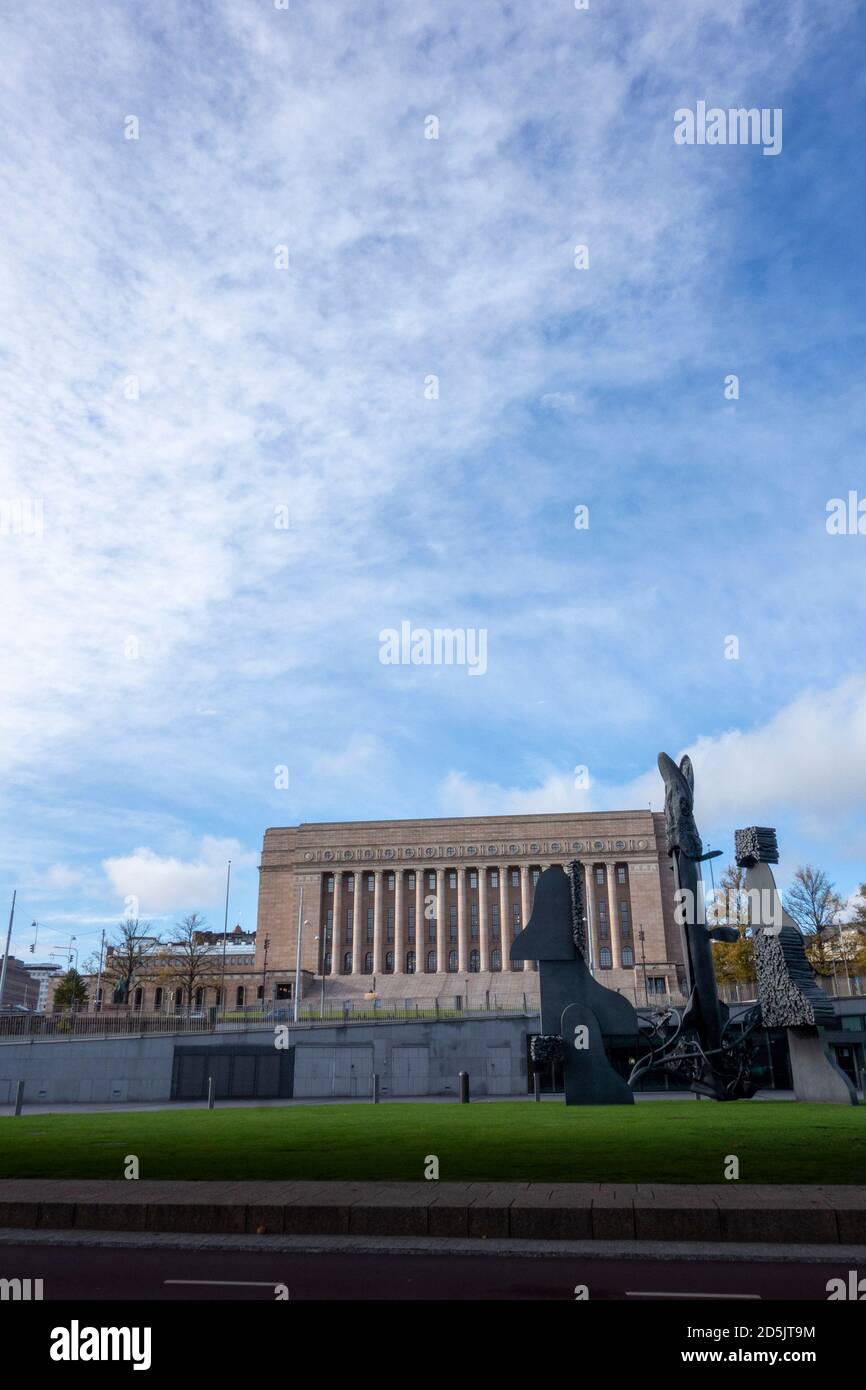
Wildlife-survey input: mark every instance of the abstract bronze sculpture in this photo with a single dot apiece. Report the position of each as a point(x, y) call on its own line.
point(789, 995)
point(580, 1019)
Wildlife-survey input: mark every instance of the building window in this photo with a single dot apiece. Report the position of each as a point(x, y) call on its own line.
point(389, 962)
point(494, 920)
point(627, 957)
point(474, 961)
point(157, 999)
point(389, 924)
point(260, 992)
point(452, 961)
point(452, 917)
point(410, 881)
point(536, 875)
point(349, 922)
point(495, 960)
point(473, 919)
point(329, 883)
point(391, 883)
point(515, 878)
point(371, 882)
point(431, 930)
point(410, 962)
point(620, 873)
point(605, 959)
point(515, 915)
point(494, 878)
point(347, 963)
point(368, 963)
point(657, 984)
point(410, 925)
point(329, 919)
point(138, 998)
point(431, 962)
point(452, 878)
point(178, 1000)
point(431, 880)
point(473, 878)
point(624, 920)
point(350, 883)
point(326, 965)
point(599, 873)
point(369, 924)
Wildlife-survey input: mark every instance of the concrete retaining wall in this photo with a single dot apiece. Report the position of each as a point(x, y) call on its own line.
point(420, 1058)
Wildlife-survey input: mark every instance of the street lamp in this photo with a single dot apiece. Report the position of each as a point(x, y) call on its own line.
point(641, 936)
point(267, 942)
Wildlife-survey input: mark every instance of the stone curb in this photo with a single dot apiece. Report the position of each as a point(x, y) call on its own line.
point(482, 1211)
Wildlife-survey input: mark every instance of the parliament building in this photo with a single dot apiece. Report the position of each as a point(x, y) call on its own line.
point(407, 910)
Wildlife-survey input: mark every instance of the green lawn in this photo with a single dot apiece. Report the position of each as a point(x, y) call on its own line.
point(665, 1141)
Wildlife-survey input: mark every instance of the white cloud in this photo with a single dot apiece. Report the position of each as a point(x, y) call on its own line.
point(164, 883)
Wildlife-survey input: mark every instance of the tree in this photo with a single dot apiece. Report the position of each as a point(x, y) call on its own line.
point(812, 900)
point(734, 961)
point(129, 957)
point(186, 961)
point(71, 992)
point(815, 906)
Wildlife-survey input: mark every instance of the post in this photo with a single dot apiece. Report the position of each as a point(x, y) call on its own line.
point(298, 955)
point(19, 1097)
point(536, 1081)
point(210, 1093)
point(225, 938)
point(375, 1088)
point(463, 1087)
point(97, 1004)
point(6, 954)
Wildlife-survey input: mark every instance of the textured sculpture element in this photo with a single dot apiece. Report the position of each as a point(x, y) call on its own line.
point(579, 1017)
point(706, 1049)
point(789, 995)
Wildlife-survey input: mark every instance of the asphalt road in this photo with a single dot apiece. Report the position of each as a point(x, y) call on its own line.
point(128, 1273)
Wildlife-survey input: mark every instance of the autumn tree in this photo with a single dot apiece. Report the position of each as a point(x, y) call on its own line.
point(734, 961)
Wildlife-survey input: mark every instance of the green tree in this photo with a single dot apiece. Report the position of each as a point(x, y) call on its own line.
point(71, 992)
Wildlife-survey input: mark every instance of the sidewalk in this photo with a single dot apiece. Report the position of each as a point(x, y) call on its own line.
point(520, 1211)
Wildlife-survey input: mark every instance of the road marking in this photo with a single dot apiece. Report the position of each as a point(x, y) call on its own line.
point(640, 1293)
point(235, 1283)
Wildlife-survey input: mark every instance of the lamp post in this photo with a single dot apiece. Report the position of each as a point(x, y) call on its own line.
point(267, 942)
point(222, 998)
point(641, 936)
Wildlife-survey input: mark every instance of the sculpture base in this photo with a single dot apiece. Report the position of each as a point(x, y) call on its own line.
point(814, 1073)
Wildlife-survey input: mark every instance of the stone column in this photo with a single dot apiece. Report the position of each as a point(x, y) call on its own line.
point(613, 910)
point(420, 923)
point(524, 903)
point(357, 944)
point(505, 918)
point(591, 932)
point(336, 932)
point(399, 924)
point(378, 944)
point(462, 923)
point(483, 924)
point(441, 928)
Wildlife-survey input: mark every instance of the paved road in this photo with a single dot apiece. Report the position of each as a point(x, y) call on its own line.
point(99, 1273)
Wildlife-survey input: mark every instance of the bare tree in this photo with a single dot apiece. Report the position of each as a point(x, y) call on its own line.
point(129, 957)
point(186, 961)
point(812, 900)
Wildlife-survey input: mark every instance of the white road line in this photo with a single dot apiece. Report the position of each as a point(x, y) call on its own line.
point(640, 1293)
point(235, 1283)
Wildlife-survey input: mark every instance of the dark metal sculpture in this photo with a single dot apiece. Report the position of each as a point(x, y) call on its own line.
point(789, 995)
point(701, 1045)
point(580, 1019)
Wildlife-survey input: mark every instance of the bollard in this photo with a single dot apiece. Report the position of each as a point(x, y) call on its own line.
point(375, 1088)
point(536, 1080)
point(19, 1097)
point(210, 1093)
point(463, 1087)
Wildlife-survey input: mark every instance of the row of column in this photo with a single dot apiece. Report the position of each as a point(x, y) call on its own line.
point(465, 943)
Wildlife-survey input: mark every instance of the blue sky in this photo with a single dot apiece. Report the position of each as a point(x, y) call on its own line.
point(166, 646)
